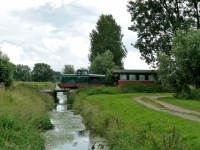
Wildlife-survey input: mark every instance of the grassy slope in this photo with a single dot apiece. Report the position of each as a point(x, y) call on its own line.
point(189, 104)
point(129, 125)
point(23, 116)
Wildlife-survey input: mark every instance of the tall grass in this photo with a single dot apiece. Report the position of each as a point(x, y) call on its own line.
point(128, 125)
point(23, 116)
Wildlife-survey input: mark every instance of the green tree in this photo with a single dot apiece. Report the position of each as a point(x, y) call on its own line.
point(42, 73)
point(155, 21)
point(57, 75)
point(181, 69)
point(6, 70)
point(107, 35)
point(22, 73)
point(102, 64)
point(68, 69)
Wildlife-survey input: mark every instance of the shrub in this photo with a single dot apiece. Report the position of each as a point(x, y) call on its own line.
point(142, 88)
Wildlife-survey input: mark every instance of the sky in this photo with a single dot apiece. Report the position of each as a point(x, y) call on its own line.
point(56, 32)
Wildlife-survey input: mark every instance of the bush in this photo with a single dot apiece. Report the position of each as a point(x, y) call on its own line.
point(142, 88)
point(194, 94)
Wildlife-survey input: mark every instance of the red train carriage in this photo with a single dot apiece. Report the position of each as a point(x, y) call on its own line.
point(135, 76)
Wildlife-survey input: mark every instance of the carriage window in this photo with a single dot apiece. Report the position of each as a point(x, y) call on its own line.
point(141, 77)
point(132, 77)
point(150, 77)
point(123, 77)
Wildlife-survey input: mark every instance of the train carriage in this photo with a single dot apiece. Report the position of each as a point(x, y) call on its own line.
point(135, 76)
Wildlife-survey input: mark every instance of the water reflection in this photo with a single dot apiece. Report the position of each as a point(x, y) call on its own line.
point(69, 132)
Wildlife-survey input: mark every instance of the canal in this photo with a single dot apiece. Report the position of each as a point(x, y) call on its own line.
point(69, 132)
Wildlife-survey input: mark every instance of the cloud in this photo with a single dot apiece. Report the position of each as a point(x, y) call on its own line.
point(15, 53)
point(56, 32)
point(133, 61)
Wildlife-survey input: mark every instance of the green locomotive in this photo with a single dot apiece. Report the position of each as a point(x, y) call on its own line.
point(81, 78)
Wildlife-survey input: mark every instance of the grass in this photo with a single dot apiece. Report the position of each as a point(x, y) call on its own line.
point(23, 116)
point(188, 104)
point(127, 124)
point(147, 100)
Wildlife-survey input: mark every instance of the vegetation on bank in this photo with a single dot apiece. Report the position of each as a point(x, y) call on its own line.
point(127, 124)
point(188, 104)
point(23, 115)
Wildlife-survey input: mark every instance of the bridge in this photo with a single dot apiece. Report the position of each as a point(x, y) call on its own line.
point(53, 92)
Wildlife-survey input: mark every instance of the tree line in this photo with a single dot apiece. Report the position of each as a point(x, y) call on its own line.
point(41, 72)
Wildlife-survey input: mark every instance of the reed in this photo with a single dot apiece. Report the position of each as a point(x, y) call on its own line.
point(23, 116)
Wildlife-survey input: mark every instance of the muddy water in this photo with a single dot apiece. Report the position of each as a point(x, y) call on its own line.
point(69, 132)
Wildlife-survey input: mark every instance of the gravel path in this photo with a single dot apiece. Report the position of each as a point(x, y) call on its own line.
point(168, 108)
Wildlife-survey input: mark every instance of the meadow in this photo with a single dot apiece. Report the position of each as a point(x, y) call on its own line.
point(23, 116)
point(128, 125)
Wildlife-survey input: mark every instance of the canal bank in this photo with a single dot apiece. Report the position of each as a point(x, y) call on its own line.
point(69, 132)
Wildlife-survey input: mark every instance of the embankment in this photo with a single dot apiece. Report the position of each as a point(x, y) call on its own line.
point(127, 124)
point(23, 116)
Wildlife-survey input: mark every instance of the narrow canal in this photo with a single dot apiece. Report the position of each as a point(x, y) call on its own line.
point(69, 132)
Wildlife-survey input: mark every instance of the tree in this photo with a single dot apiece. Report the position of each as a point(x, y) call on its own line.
point(22, 73)
point(107, 35)
point(181, 69)
point(42, 73)
point(103, 63)
point(6, 70)
point(155, 21)
point(57, 75)
point(68, 69)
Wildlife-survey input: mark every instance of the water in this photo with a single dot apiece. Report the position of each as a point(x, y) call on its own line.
point(69, 132)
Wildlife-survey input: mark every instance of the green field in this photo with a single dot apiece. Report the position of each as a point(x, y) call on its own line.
point(189, 104)
point(128, 125)
point(23, 116)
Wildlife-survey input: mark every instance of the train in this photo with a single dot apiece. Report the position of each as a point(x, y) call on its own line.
point(82, 78)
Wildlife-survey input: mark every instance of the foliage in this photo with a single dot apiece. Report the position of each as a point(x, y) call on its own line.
point(103, 63)
point(22, 73)
point(42, 73)
point(68, 69)
point(156, 21)
point(128, 125)
point(57, 75)
point(6, 70)
point(23, 116)
point(107, 36)
point(181, 69)
point(143, 88)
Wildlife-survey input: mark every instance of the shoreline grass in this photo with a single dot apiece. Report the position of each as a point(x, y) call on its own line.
point(23, 116)
point(127, 124)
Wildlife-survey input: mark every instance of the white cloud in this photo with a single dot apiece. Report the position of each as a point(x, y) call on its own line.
point(54, 58)
point(78, 46)
point(24, 4)
point(53, 44)
point(15, 53)
point(33, 31)
point(133, 61)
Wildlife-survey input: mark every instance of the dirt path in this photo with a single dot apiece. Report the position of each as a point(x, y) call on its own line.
point(168, 108)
